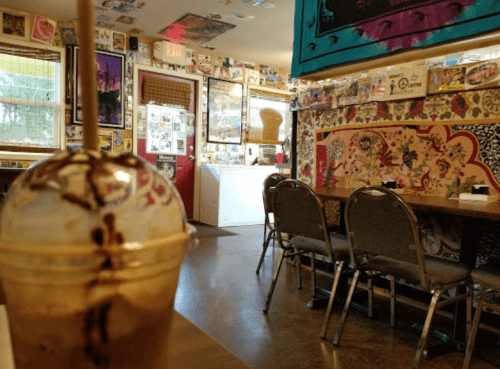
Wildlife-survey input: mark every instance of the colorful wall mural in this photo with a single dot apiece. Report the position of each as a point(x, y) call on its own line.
point(439, 145)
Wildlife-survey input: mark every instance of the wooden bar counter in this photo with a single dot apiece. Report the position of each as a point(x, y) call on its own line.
point(190, 347)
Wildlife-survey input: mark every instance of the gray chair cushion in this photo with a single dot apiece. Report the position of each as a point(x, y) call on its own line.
point(340, 246)
point(488, 276)
point(439, 271)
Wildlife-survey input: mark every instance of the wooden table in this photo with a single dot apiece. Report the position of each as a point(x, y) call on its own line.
point(190, 347)
point(438, 204)
point(475, 211)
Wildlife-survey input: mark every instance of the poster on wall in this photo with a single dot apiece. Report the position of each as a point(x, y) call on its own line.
point(167, 165)
point(482, 74)
point(14, 24)
point(406, 83)
point(224, 111)
point(110, 80)
point(144, 54)
point(165, 130)
point(43, 30)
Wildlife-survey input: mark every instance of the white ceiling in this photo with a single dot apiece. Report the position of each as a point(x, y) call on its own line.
point(266, 39)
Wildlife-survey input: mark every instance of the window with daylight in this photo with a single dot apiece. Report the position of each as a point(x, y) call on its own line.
point(30, 98)
point(269, 117)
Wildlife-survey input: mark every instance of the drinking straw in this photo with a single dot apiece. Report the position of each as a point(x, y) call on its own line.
point(88, 73)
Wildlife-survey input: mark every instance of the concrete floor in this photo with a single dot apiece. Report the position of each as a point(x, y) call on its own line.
point(220, 292)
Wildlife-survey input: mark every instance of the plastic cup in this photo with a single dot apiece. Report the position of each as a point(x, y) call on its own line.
point(107, 304)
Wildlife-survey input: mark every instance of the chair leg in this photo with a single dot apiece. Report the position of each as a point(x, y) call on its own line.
point(266, 221)
point(422, 344)
point(347, 305)
point(326, 319)
point(472, 334)
point(297, 260)
point(468, 322)
point(265, 246)
point(313, 274)
point(370, 295)
point(273, 284)
point(393, 301)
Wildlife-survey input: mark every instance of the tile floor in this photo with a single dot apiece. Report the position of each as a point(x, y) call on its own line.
point(220, 292)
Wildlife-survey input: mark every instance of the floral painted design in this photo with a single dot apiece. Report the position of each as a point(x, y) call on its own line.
point(430, 160)
point(443, 166)
point(459, 105)
point(305, 150)
point(306, 170)
point(416, 107)
point(335, 150)
point(365, 143)
point(409, 156)
point(350, 112)
point(491, 101)
point(383, 109)
point(328, 118)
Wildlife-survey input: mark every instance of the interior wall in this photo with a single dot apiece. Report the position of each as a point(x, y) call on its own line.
point(200, 62)
point(426, 153)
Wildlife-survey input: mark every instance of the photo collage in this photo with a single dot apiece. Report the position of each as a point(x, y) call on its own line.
point(165, 130)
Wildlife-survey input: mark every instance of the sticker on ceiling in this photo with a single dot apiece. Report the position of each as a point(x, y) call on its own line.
point(242, 16)
point(254, 2)
point(104, 18)
point(225, 2)
point(195, 29)
point(105, 25)
point(135, 31)
point(212, 16)
point(121, 6)
point(126, 19)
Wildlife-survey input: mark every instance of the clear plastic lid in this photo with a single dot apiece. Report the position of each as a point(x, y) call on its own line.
point(85, 199)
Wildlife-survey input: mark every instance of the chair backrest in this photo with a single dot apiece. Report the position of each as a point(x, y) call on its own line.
point(298, 211)
point(270, 182)
point(378, 221)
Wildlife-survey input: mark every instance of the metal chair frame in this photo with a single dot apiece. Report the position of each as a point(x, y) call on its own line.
point(267, 197)
point(485, 293)
point(435, 288)
point(288, 251)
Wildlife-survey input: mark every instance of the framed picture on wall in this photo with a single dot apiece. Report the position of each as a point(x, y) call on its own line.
point(224, 111)
point(110, 81)
point(14, 24)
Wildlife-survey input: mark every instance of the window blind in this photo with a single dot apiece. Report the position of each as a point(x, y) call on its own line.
point(30, 98)
point(29, 52)
point(269, 96)
point(163, 91)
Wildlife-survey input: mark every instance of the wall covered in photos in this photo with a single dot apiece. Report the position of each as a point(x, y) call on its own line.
point(117, 135)
point(438, 143)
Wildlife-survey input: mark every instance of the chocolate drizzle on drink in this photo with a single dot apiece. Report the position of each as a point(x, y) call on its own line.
point(96, 335)
point(98, 236)
point(114, 236)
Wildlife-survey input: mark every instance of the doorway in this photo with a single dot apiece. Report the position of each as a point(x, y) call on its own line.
point(182, 165)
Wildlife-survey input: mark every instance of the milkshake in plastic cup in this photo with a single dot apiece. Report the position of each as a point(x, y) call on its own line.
point(91, 246)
